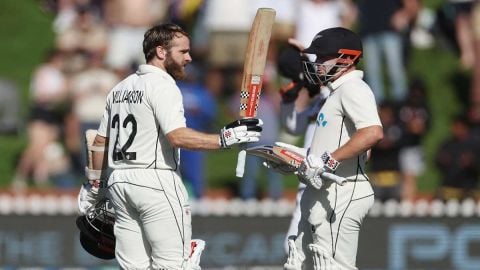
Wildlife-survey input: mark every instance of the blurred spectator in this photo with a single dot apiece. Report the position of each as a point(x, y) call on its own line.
point(458, 162)
point(315, 15)
point(185, 13)
point(200, 112)
point(475, 92)
point(414, 115)
point(474, 118)
point(463, 27)
point(382, 25)
point(65, 14)
point(384, 164)
point(226, 28)
point(9, 107)
point(285, 18)
point(86, 33)
point(88, 92)
point(48, 93)
point(228, 25)
point(128, 20)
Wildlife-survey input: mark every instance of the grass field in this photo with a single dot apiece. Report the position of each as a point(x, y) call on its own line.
point(27, 34)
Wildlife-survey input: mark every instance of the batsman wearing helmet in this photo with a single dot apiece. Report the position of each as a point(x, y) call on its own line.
point(139, 137)
point(347, 126)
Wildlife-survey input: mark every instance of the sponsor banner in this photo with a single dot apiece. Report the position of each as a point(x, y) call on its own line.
point(385, 243)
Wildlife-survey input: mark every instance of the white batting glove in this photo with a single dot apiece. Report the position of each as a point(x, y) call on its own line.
point(314, 168)
point(310, 170)
point(241, 131)
point(89, 195)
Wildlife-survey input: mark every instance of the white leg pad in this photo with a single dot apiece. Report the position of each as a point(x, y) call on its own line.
point(322, 260)
point(295, 258)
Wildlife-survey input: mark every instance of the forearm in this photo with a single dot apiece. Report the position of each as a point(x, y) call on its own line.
point(188, 138)
point(360, 142)
point(99, 158)
point(295, 123)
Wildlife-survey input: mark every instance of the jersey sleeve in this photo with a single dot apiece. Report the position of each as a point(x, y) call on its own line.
point(359, 105)
point(103, 128)
point(168, 109)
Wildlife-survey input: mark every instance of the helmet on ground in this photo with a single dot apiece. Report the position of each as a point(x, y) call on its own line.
point(96, 230)
point(338, 43)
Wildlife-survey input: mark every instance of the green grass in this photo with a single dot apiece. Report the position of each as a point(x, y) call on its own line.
point(437, 72)
point(26, 35)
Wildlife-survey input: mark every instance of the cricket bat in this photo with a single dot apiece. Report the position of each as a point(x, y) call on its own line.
point(289, 159)
point(253, 69)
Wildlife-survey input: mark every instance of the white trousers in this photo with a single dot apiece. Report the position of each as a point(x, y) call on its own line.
point(331, 219)
point(153, 219)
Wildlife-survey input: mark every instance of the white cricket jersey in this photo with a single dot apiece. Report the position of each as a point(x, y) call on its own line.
point(140, 111)
point(350, 106)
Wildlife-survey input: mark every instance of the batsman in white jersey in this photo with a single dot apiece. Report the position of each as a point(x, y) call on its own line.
point(142, 129)
point(347, 126)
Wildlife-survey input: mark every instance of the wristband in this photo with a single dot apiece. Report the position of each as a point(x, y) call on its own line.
point(329, 162)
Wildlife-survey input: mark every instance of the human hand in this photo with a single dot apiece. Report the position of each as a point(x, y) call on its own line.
point(314, 170)
point(310, 170)
point(241, 131)
point(89, 195)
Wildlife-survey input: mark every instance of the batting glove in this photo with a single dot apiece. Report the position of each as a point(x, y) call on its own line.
point(313, 168)
point(241, 131)
point(89, 195)
point(310, 170)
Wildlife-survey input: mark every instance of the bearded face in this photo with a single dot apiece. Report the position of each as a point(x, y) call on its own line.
point(175, 69)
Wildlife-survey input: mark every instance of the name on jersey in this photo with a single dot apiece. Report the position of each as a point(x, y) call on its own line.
point(134, 96)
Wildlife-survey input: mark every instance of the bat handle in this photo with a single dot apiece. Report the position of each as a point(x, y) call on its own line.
point(240, 163)
point(335, 178)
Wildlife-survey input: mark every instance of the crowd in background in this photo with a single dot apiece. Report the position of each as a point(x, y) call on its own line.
point(97, 43)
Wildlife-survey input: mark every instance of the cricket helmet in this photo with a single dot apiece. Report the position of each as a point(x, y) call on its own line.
point(340, 43)
point(96, 230)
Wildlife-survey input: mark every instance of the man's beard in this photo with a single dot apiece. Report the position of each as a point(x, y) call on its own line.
point(175, 70)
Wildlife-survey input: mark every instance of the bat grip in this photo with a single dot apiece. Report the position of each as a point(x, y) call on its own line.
point(240, 163)
point(333, 177)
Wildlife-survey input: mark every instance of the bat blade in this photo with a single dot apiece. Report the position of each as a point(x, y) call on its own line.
point(277, 154)
point(253, 70)
point(255, 60)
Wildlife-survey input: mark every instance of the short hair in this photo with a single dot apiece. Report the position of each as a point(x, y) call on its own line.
point(160, 35)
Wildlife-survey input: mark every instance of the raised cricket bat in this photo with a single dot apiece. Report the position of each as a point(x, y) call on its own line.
point(253, 69)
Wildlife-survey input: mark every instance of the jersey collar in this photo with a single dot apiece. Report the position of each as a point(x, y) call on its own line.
point(146, 68)
point(355, 74)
